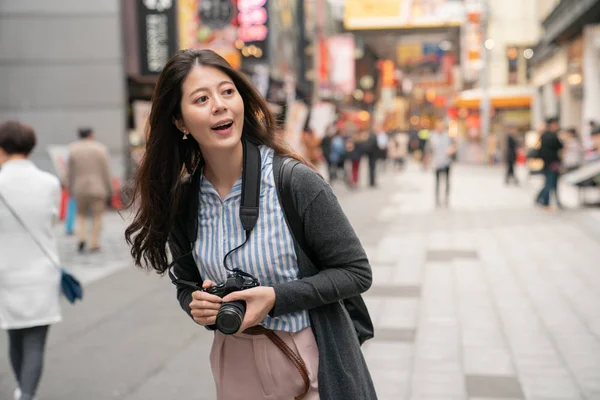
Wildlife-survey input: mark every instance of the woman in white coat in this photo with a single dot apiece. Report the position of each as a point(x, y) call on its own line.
point(29, 282)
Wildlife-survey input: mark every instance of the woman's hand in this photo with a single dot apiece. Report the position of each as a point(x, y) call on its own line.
point(259, 301)
point(205, 306)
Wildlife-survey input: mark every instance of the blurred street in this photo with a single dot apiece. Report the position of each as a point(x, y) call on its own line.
point(488, 299)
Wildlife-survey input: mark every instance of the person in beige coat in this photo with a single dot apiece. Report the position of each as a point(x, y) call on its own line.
point(89, 181)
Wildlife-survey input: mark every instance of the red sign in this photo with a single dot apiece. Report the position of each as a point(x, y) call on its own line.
point(388, 78)
point(323, 61)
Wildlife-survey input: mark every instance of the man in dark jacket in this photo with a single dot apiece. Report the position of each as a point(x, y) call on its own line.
point(550, 148)
point(511, 155)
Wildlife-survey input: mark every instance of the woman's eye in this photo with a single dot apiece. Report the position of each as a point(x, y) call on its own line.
point(228, 91)
point(202, 99)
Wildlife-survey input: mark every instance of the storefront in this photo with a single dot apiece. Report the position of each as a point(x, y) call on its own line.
point(566, 65)
point(510, 107)
point(150, 38)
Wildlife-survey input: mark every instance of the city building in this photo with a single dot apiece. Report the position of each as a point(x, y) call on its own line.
point(61, 68)
point(498, 43)
point(566, 63)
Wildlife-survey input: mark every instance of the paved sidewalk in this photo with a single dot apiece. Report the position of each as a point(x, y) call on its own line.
point(114, 254)
point(489, 299)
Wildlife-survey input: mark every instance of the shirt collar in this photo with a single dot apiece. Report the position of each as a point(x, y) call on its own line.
point(236, 190)
point(17, 163)
point(207, 188)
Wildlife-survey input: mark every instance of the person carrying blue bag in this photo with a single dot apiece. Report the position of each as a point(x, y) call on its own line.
point(30, 276)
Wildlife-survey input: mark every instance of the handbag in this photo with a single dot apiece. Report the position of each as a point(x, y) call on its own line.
point(70, 286)
point(355, 306)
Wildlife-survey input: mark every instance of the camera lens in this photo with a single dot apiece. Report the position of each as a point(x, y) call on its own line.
point(230, 316)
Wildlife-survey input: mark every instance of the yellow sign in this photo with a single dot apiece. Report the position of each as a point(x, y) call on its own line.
point(369, 14)
point(188, 22)
point(409, 53)
point(395, 14)
point(372, 8)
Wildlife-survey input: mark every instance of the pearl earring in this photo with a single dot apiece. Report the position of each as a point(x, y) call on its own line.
point(185, 133)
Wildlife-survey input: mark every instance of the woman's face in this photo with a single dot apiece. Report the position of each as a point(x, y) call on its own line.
point(212, 109)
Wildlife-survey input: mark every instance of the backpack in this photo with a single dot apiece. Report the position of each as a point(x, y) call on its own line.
point(356, 307)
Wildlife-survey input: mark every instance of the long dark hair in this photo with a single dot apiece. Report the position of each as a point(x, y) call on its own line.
point(168, 159)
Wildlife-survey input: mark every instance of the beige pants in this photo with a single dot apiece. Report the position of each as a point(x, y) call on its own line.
point(97, 206)
point(253, 368)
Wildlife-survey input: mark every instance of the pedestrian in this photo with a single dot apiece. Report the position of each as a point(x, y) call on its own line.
point(572, 152)
point(549, 152)
point(312, 146)
point(29, 282)
point(398, 149)
point(89, 182)
point(441, 149)
point(382, 143)
point(337, 155)
point(355, 148)
point(594, 128)
point(205, 118)
point(325, 146)
point(511, 156)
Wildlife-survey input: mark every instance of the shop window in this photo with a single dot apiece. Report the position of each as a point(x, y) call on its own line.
point(512, 54)
point(518, 59)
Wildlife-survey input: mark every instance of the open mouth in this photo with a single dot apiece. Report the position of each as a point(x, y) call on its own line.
point(223, 127)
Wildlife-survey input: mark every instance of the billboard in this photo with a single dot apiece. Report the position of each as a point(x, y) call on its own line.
point(341, 63)
point(401, 14)
point(425, 63)
point(209, 24)
point(150, 35)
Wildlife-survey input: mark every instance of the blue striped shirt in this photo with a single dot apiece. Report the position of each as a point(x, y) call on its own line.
point(269, 254)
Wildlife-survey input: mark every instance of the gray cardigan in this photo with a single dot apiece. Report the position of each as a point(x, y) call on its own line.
point(344, 271)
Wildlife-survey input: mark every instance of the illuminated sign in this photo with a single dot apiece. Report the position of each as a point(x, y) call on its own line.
point(216, 14)
point(252, 19)
point(156, 24)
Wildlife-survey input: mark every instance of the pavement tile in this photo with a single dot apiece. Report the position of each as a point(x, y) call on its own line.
point(395, 334)
point(389, 290)
point(493, 386)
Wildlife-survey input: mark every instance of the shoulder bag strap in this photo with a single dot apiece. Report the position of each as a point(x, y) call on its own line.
point(22, 223)
point(288, 205)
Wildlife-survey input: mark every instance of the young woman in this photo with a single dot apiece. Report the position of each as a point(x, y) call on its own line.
point(188, 189)
point(29, 283)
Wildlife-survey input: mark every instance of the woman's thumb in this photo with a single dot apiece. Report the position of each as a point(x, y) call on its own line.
point(207, 283)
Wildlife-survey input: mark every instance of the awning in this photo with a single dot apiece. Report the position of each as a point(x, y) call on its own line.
point(500, 97)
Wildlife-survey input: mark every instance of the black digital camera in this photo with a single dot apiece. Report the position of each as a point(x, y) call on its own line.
point(231, 314)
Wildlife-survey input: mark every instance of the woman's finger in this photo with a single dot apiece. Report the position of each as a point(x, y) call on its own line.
point(204, 313)
point(201, 304)
point(198, 295)
point(205, 321)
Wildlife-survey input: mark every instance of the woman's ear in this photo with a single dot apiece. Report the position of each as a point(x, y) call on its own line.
point(179, 124)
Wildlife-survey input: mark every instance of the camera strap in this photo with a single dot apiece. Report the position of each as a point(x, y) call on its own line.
point(249, 207)
point(250, 186)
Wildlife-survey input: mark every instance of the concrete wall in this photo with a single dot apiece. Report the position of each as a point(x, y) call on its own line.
point(545, 7)
point(61, 67)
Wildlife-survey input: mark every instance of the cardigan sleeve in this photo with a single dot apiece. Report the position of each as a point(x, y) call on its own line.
point(184, 266)
point(344, 269)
